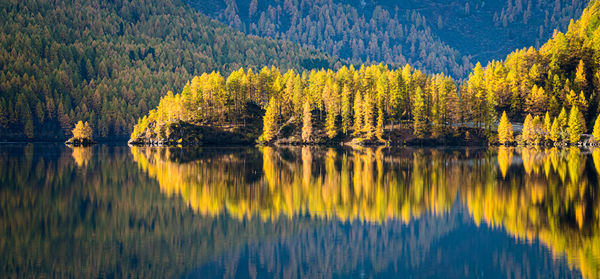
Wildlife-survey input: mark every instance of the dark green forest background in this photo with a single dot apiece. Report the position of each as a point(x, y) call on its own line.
point(436, 36)
point(109, 62)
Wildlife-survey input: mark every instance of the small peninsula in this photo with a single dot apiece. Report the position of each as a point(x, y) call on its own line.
point(82, 135)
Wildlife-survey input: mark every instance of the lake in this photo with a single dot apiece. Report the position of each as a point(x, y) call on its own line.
point(112, 211)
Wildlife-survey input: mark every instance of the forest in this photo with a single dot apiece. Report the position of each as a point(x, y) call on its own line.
point(318, 105)
point(374, 103)
point(434, 36)
point(109, 62)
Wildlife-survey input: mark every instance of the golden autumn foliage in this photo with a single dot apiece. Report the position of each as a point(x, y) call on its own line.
point(596, 131)
point(306, 122)
point(82, 131)
point(528, 135)
point(364, 185)
point(505, 158)
point(576, 125)
point(505, 130)
point(82, 155)
point(270, 124)
point(354, 102)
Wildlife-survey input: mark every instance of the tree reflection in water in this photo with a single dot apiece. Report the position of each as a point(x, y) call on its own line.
point(110, 211)
point(550, 195)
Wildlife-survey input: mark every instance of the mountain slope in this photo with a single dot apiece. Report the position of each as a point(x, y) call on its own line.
point(562, 74)
point(364, 105)
point(433, 35)
point(108, 62)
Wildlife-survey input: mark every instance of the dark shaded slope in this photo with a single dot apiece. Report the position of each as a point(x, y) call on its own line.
point(108, 62)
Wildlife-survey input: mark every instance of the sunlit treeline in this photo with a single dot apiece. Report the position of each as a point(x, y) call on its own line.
point(550, 195)
point(357, 102)
point(562, 74)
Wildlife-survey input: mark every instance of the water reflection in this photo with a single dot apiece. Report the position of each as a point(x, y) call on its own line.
point(111, 211)
point(547, 195)
point(556, 201)
point(81, 155)
point(91, 213)
point(323, 183)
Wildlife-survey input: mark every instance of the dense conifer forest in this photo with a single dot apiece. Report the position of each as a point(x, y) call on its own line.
point(435, 36)
point(558, 82)
point(108, 62)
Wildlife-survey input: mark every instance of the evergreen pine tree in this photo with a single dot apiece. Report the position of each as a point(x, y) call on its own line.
point(3, 114)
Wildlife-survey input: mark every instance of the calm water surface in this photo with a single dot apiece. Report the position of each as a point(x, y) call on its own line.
point(116, 211)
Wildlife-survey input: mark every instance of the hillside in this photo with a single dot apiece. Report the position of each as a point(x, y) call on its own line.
point(433, 35)
point(109, 62)
point(380, 104)
point(563, 73)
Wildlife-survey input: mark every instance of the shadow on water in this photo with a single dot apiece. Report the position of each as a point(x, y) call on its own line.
point(113, 211)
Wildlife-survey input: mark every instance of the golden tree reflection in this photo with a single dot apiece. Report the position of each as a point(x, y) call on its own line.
point(347, 185)
point(543, 194)
point(553, 207)
point(81, 155)
point(505, 157)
